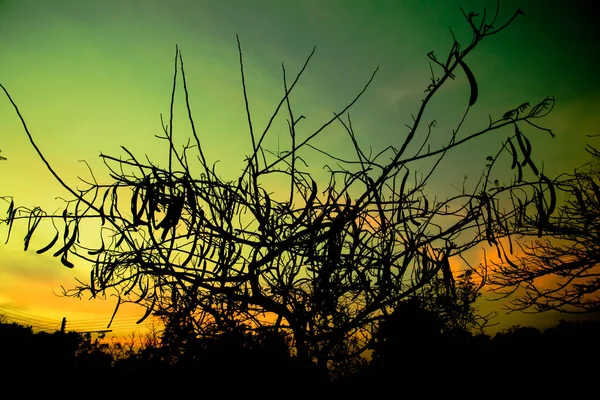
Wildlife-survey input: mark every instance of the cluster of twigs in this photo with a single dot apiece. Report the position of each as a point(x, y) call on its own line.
point(560, 270)
point(324, 262)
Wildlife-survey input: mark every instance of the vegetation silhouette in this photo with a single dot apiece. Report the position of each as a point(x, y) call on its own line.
point(411, 349)
point(23, 350)
point(315, 276)
point(564, 251)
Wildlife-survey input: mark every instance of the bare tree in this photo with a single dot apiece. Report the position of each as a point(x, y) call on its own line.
point(322, 262)
point(558, 269)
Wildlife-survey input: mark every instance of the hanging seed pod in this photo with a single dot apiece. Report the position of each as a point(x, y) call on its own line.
point(472, 82)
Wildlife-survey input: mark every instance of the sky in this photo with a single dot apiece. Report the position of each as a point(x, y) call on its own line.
point(91, 76)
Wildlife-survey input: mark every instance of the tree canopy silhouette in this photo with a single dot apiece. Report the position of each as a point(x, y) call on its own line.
point(324, 262)
point(561, 269)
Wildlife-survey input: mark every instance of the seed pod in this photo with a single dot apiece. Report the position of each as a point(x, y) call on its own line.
point(513, 151)
point(66, 262)
point(49, 245)
point(472, 82)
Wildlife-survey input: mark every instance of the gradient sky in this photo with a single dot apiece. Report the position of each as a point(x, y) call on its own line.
point(90, 76)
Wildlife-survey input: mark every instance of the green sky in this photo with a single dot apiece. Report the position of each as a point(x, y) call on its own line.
point(90, 76)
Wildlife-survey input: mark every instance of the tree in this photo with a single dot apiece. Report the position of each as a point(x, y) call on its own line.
point(324, 263)
point(456, 309)
point(560, 268)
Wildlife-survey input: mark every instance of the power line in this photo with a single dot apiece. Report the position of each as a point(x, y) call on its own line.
point(118, 324)
point(26, 315)
point(126, 320)
point(118, 316)
point(33, 320)
point(34, 325)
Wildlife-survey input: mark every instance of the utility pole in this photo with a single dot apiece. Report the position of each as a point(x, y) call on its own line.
point(63, 325)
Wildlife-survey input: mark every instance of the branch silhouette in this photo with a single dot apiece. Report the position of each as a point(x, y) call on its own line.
point(557, 266)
